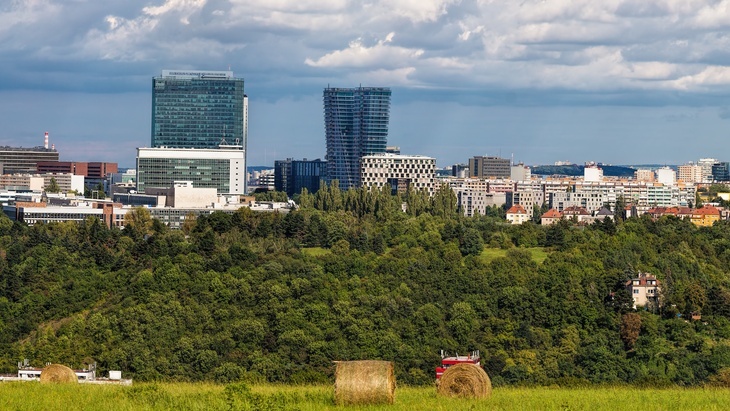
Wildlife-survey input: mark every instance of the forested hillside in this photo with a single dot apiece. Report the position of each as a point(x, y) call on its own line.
point(578, 170)
point(278, 297)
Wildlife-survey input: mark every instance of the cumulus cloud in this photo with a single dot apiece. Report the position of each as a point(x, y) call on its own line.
point(580, 45)
point(382, 54)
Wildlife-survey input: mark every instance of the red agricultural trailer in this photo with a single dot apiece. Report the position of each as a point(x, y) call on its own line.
point(446, 362)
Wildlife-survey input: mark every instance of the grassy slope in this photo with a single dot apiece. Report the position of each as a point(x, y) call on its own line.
point(33, 396)
point(538, 254)
point(315, 251)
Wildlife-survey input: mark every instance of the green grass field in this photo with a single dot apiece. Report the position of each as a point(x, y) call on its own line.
point(168, 396)
point(315, 251)
point(538, 254)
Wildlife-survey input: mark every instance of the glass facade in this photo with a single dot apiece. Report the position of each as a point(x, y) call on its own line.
point(721, 171)
point(203, 172)
point(292, 176)
point(356, 124)
point(198, 110)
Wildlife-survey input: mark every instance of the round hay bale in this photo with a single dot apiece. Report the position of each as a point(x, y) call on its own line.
point(364, 382)
point(58, 374)
point(466, 381)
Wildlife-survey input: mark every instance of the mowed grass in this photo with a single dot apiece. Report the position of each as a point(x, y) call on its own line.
point(179, 396)
point(538, 254)
point(315, 251)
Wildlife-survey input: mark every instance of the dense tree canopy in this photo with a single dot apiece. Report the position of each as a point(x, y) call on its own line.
point(352, 276)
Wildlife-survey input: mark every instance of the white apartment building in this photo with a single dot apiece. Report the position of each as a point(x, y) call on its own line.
point(528, 199)
point(38, 182)
point(593, 196)
point(520, 172)
point(473, 195)
point(21, 182)
point(666, 176)
point(706, 164)
point(399, 172)
point(501, 186)
point(592, 173)
point(590, 195)
point(66, 181)
point(591, 202)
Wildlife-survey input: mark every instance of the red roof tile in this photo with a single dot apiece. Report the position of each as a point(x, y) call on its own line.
point(516, 209)
point(552, 213)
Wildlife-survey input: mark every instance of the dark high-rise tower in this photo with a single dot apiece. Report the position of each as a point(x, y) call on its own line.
point(356, 125)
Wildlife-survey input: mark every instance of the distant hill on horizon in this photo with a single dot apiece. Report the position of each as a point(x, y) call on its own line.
point(575, 170)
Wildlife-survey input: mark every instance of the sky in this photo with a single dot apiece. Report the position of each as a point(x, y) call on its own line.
point(540, 81)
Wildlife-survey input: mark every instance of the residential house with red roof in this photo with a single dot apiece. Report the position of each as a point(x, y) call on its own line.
point(517, 214)
point(705, 216)
point(579, 213)
point(552, 216)
point(644, 290)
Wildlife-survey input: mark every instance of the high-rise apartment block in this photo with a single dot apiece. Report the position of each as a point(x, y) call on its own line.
point(292, 176)
point(489, 167)
point(690, 173)
point(356, 125)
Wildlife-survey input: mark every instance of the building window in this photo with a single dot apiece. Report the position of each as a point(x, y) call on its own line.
point(636, 291)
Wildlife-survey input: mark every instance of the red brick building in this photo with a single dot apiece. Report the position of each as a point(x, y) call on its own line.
point(87, 169)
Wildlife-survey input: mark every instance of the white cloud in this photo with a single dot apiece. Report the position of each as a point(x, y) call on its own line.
point(582, 45)
point(417, 11)
point(382, 54)
point(707, 78)
point(180, 6)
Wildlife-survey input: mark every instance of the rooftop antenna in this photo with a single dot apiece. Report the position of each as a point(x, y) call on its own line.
point(45, 141)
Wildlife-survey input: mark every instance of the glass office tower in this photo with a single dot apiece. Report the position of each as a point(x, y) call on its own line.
point(198, 109)
point(356, 125)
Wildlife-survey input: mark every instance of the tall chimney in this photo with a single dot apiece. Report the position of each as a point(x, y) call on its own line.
point(45, 144)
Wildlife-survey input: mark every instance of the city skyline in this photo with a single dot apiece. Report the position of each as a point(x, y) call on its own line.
point(619, 82)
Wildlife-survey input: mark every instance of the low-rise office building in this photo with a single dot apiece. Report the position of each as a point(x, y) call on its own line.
point(223, 169)
point(24, 160)
point(398, 172)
